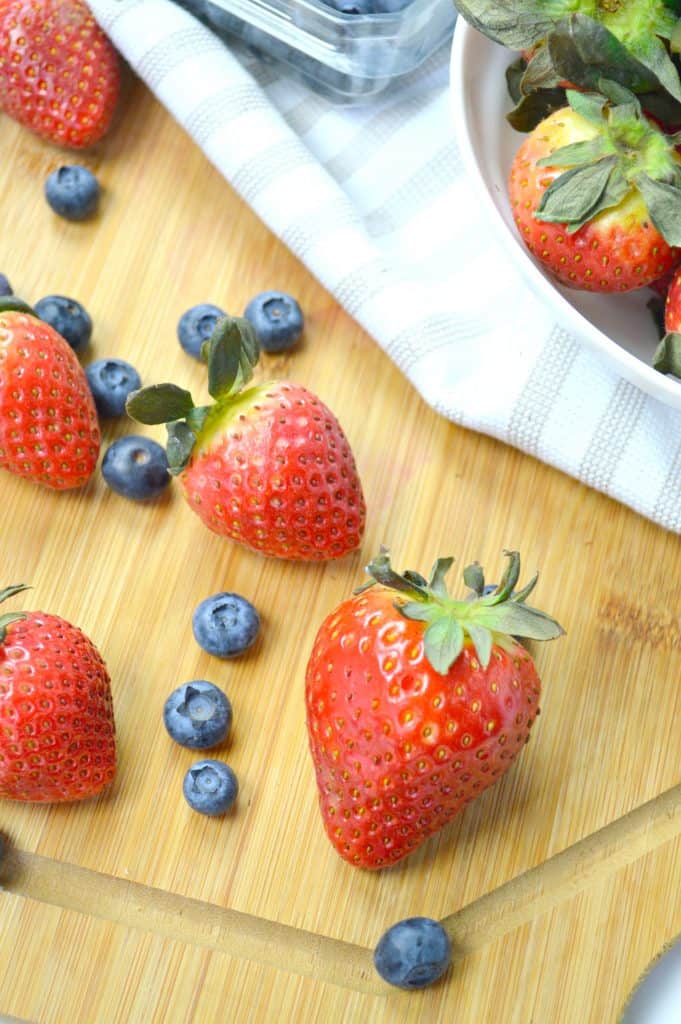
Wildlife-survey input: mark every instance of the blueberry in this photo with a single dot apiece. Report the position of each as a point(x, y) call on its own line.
point(196, 326)
point(198, 715)
point(5, 286)
point(277, 320)
point(210, 787)
point(73, 192)
point(68, 318)
point(413, 953)
point(136, 467)
point(111, 381)
point(225, 624)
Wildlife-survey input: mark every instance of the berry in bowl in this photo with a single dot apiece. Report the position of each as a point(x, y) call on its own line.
point(578, 176)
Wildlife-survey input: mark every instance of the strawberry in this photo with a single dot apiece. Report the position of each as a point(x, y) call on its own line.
point(48, 420)
point(59, 74)
point(667, 358)
point(266, 465)
point(595, 192)
point(416, 703)
point(57, 735)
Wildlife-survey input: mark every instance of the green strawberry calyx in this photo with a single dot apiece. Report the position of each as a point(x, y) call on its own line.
point(9, 617)
point(579, 51)
point(13, 304)
point(626, 153)
point(667, 357)
point(231, 353)
point(632, 37)
point(486, 619)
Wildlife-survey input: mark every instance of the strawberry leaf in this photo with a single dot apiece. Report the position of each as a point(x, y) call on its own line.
point(664, 206)
point(518, 620)
point(443, 642)
point(474, 578)
point(652, 52)
point(573, 197)
point(583, 51)
point(577, 153)
point(232, 352)
point(179, 446)
point(588, 105)
point(382, 572)
point(482, 641)
point(159, 403)
point(516, 24)
point(532, 109)
point(667, 358)
point(9, 617)
point(437, 577)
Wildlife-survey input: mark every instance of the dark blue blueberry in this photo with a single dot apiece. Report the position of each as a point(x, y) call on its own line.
point(198, 715)
point(277, 320)
point(210, 787)
point(111, 381)
point(225, 624)
point(413, 953)
point(73, 192)
point(68, 318)
point(196, 326)
point(5, 286)
point(136, 467)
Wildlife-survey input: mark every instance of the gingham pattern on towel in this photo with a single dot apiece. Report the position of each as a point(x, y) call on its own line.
point(375, 202)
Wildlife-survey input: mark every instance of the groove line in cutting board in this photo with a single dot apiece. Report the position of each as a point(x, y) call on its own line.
point(282, 946)
point(188, 920)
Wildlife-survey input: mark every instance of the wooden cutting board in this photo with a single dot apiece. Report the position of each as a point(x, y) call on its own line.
point(132, 908)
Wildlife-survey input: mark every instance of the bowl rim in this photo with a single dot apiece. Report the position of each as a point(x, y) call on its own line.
point(633, 369)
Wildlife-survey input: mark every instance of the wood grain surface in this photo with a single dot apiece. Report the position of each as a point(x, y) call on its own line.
point(558, 885)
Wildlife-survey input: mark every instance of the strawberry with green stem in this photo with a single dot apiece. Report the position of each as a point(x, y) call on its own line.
point(49, 432)
point(267, 465)
point(416, 702)
point(57, 733)
point(595, 193)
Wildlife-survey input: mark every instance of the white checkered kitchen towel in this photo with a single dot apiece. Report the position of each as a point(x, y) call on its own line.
point(375, 202)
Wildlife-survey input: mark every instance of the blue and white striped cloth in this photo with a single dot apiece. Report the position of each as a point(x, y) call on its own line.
point(375, 201)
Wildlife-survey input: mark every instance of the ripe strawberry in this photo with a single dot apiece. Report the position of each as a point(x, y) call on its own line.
point(268, 466)
point(48, 420)
point(596, 193)
point(667, 358)
point(416, 703)
point(57, 739)
point(59, 74)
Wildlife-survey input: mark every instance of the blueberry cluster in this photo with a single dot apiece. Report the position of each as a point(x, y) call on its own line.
point(276, 317)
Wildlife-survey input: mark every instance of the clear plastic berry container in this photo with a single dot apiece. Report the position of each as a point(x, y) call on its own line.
point(348, 57)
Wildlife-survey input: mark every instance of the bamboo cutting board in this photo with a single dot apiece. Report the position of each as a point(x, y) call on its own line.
point(558, 885)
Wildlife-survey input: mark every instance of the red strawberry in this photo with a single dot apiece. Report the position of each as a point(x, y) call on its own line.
point(596, 194)
point(667, 358)
point(268, 466)
point(57, 739)
point(48, 420)
point(416, 703)
point(59, 74)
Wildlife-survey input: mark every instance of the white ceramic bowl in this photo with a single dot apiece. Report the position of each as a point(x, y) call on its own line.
point(619, 327)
